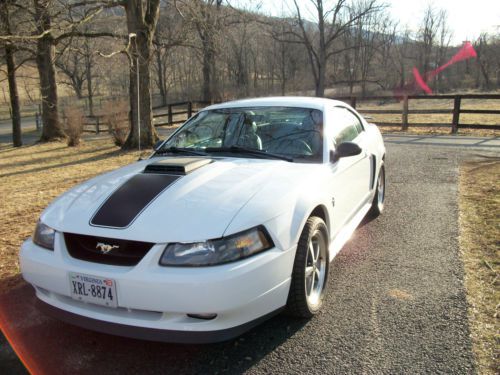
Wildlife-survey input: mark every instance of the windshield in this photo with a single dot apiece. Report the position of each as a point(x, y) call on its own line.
point(290, 132)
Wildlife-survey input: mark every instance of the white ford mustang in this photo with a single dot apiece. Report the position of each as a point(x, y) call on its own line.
point(234, 217)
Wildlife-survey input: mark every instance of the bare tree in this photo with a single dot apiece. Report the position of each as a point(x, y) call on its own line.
point(388, 64)
point(45, 58)
point(442, 45)
point(403, 54)
point(239, 56)
point(332, 20)
point(285, 49)
point(488, 60)
point(9, 50)
point(206, 18)
point(171, 33)
point(142, 17)
point(71, 64)
point(45, 35)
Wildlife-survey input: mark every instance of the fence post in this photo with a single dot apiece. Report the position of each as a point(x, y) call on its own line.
point(456, 114)
point(190, 109)
point(170, 114)
point(404, 125)
point(97, 124)
point(353, 102)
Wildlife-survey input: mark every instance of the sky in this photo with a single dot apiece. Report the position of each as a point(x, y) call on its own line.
point(467, 19)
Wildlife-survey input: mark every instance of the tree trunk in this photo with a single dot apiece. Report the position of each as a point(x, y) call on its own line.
point(141, 20)
point(45, 57)
point(52, 128)
point(90, 93)
point(320, 82)
point(11, 76)
point(208, 85)
point(161, 78)
point(283, 68)
point(14, 96)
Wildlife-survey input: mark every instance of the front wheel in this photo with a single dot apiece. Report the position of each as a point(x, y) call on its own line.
point(379, 199)
point(310, 270)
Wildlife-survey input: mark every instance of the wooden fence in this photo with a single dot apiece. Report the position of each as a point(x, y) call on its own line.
point(456, 110)
point(178, 113)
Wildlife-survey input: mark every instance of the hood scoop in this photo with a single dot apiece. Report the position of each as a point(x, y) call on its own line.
point(177, 166)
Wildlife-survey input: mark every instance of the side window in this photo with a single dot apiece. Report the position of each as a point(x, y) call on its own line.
point(357, 122)
point(346, 127)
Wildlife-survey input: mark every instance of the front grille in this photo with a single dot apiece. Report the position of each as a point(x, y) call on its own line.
point(106, 250)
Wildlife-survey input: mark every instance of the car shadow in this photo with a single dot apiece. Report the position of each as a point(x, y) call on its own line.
point(47, 345)
point(369, 217)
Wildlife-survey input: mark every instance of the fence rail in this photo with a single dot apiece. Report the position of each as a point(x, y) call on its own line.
point(179, 112)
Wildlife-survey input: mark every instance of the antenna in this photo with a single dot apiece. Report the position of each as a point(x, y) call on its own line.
point(138, 102)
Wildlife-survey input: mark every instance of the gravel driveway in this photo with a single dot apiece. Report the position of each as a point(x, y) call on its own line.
point(396, 301)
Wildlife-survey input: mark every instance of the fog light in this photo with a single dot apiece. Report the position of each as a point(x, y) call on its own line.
point(203, 316)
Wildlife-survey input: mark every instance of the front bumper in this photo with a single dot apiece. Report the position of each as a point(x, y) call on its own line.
point(153, 334)
point(153, 301)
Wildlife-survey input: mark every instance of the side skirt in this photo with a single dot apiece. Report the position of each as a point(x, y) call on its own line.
point(346, 232)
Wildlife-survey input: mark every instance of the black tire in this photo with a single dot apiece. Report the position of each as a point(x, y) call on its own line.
point(300, 302)
point(379, 199)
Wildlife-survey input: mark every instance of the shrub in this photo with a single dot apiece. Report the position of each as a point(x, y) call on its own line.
point(115, 115)
point(73, 125)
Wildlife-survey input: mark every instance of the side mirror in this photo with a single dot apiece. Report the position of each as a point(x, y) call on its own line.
point(157, 145)
point(344, 150)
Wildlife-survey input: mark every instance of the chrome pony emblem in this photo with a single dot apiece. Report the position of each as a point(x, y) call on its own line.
point(105, 248)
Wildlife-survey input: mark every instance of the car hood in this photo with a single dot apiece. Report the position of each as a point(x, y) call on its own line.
point(195, 207)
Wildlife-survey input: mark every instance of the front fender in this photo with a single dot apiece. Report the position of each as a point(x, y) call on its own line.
point(284, 210)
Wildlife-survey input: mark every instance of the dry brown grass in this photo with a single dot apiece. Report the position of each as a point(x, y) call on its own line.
point(32, 176)
point(480, 245)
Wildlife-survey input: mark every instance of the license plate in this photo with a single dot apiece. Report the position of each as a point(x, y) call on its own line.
point(93, 289)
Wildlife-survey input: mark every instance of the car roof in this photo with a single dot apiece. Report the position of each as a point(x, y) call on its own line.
point(279, 101)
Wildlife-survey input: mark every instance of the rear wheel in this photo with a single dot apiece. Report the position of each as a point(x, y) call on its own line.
point(310, 270)
point(378, 200)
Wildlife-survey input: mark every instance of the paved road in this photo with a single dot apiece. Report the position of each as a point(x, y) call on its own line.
point(445, 141)
point(396, 301)
point(27, 123)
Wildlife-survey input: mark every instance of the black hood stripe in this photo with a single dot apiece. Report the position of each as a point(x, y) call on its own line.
point(130, 199)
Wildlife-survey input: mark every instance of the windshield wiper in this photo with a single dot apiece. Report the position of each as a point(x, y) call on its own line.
point(177, 150)
point(250, 151)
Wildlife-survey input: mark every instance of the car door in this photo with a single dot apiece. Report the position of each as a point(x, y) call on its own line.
point(350, 176)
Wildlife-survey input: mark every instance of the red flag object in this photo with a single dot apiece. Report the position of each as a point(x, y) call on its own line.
point(420, 81)
point(466, 52)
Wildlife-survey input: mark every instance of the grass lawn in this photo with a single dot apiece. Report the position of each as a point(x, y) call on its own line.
point(32, 176)
point(480, 245)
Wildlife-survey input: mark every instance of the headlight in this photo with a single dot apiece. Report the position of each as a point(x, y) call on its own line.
point(44, 236)
point(219, 251)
